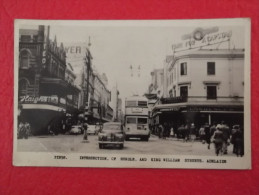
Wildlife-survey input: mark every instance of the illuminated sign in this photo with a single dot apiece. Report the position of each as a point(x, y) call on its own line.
point(41, 99)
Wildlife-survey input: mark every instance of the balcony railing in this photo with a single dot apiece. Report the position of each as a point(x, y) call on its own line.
point(182, 99)
point(172, 100)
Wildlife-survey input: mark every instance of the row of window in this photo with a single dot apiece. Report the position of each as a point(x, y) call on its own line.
point(210, 68)
point(211, 92)
point(183, 71)
point(132, 103)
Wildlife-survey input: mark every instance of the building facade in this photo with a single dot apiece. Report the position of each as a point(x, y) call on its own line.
point(157, 82)
point(116, 104)
point(203, 86)
point(43, 88)
point(94, 96)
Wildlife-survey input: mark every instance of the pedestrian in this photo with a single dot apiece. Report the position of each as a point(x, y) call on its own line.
point(207, 134)
point(226, 136)
point(21, 130)
point(187, 132)
point(181, 132)
point(85, 125)
point(237, 140)
point(217, 139)
point(27, 130)
point(166, 131)
point(192, 132)
point(160, 131)
point(202, 134)
point(172, 133)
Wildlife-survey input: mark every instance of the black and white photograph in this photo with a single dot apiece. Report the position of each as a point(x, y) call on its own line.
point(132, 93)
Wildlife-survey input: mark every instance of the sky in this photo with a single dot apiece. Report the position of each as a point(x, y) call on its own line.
point(117, 47)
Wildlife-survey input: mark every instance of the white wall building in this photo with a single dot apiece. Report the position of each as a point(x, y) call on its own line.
point(204, 86)
point(157, 82)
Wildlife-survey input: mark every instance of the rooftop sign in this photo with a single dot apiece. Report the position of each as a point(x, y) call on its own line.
point(202, 37)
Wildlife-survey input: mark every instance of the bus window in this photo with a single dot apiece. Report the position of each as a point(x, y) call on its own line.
point(142, 103)
point(131, 120)
point(131, 103)
point(142, 121)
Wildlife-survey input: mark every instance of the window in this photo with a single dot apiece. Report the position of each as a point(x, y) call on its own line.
point(170, 93)
point(23, 85)
point(211, 68)
point(131, 120)
point(211, 92)
point(24, 59)
point(25, 38)
point(142, 121)
point(184, 91)
point(131, 103)
point(142, 103)
point(184, 68)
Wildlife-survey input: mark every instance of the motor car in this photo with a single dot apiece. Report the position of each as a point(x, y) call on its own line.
point(92, 129)
point(76, 129)
point(111, 134)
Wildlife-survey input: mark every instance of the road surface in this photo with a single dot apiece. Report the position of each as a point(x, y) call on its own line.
point(75, 144)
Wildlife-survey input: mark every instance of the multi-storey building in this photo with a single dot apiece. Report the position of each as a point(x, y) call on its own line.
point(71, 100)
point(94, 95)
point(116, 104)
point(100, 99)
point(157, 82)
point(43, 89)
point(203, 86)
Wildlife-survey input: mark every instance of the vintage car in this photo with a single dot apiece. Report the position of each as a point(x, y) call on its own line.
point(91, 129)
point(76, 129)
point(111, 134)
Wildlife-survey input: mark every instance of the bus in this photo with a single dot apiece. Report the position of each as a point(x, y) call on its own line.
point(136, 118)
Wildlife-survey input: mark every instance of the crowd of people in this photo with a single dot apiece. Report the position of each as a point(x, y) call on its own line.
point(24, 130)
point(221, 135)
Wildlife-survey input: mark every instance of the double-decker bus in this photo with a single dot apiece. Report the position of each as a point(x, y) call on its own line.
point(136, 118)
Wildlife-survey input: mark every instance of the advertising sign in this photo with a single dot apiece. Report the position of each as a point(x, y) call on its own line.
point(202, 37)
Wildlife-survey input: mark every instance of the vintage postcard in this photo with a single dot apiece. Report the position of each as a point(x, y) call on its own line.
point(132, 93)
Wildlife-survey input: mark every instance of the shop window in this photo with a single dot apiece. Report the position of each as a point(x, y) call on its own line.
point(184, 68)
point(184, 91)
point(211, 68)
point(211, 92)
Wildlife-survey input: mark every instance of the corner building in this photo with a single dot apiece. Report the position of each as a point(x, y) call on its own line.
point(203, 86)
point(43, 87)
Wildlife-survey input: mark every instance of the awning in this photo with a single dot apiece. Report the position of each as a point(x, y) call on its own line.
point(201, 107)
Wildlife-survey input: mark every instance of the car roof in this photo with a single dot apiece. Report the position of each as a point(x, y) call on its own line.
point(112, 123)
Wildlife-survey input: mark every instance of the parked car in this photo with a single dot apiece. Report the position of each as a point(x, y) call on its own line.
point(92, 129)
point(76, 129)
point(111, 134)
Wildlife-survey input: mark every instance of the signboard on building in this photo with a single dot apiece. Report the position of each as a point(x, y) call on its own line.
point(202, 37)
point(41, 99)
